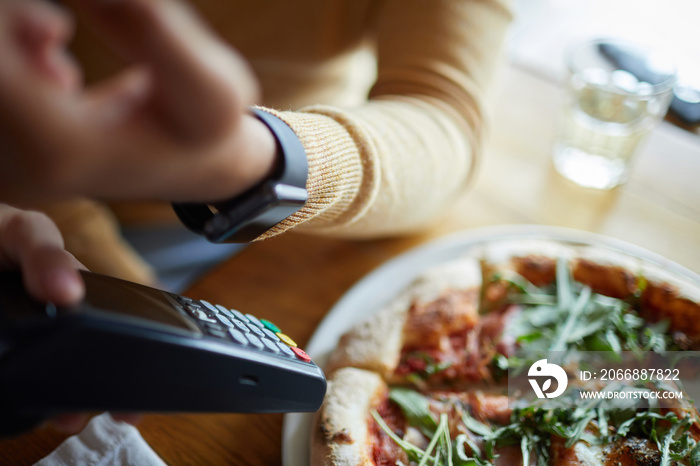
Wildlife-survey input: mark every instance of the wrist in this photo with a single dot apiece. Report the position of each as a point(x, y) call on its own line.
point(275, 197)
point(259, 157)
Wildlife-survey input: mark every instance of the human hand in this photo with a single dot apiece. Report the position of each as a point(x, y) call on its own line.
point(172, 126)
point(31, 242)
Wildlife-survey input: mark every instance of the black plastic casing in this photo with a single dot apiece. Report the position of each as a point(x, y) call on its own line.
point(85, 359)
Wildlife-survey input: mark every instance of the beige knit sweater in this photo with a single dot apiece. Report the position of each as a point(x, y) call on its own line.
point(385, 96)
point(385, 158)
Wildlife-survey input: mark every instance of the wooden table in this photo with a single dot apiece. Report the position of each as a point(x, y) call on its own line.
point(294, 280)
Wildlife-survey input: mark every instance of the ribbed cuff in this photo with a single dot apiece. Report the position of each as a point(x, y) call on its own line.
point(335, 169)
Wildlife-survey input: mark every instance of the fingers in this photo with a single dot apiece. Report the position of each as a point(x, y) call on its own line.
point(31, 241)
point(118, 99)
point(202, 86)
point(38, 34)
point(38, 89)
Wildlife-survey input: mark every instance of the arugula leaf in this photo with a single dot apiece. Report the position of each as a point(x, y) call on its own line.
point(525, 449)
point(415, 408)
point(564, 293)
point(410, 449)
point(666, 445)
point(447, 445)
point(602, 422)
point(579, 428)
point(517, 282)
point(614, 341)
point(431, 367)
point(695, 455)
point(476, 426)
point(585, 330)
point(465, 460)
point(434, 441)
point(570, 322)
point(533, 299)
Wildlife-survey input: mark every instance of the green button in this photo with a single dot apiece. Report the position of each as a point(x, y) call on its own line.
point(270, 326)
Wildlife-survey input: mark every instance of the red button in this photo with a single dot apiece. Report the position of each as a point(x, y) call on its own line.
point(301, 354)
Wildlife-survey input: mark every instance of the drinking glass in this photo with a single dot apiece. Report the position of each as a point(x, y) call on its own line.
point(616, 93)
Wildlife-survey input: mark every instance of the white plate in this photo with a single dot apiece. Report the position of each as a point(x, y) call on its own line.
point(374, 290)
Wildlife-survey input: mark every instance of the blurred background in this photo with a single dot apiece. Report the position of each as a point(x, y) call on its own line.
point(544, 28)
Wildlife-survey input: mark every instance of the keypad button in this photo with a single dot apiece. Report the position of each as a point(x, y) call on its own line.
point(255, 341)
point(223, 310)
point(202, 316)
point(286, 339)
point(183, 299)
point(271, 346)
point(256, 330)
point(224, 320)
point(191, 309)
point(301, 354)
point(241, 326)
point(270, 326)
point(285, 349)
point(216, 333)
point(270, 335)
point(209, 306)
point(238, 336)
point(254, 320)
point(239, 315)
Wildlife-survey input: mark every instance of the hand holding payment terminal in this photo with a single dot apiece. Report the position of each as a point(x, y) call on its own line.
point(128, 347)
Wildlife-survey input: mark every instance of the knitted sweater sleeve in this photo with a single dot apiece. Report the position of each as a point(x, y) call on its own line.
point(395, 162)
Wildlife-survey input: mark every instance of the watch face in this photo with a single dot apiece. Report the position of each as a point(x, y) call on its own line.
point(247, 217)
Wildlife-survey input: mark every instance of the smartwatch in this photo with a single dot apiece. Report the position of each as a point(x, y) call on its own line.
point(247, 216)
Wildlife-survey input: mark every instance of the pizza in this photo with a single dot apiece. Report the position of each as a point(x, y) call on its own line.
point(423, 380)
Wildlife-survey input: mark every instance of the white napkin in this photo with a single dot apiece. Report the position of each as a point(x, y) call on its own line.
point(104, 442)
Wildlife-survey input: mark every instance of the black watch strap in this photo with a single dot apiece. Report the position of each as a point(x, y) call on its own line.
point(252, 213)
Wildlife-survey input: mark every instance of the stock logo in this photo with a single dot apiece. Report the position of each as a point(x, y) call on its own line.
point(540, 377)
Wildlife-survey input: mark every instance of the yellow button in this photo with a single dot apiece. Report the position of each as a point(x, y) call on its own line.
point(285, 339)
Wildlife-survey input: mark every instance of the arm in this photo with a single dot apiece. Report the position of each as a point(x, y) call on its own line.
point(175, 128)
point(393, 163)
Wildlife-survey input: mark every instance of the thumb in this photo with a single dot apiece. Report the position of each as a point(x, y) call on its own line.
point(201, 86)
point(32, 242)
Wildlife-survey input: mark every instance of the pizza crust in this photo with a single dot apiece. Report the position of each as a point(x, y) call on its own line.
point(376, 344)
point(607, 272)
point(668, 296)
point(664, 294)
point(534, 259)
point(341, 428)
point(500, 253)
